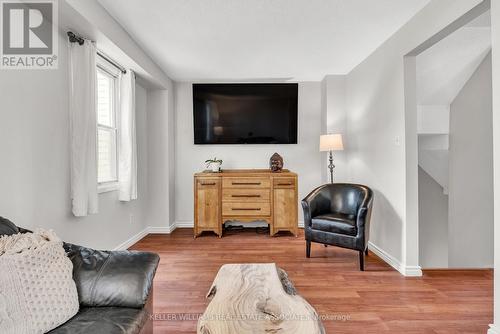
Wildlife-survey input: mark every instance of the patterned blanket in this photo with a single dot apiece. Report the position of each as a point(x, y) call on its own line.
point(37, 291)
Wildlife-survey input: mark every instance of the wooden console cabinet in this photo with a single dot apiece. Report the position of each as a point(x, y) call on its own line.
point(245, 196)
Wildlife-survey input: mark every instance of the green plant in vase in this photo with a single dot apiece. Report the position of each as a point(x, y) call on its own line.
point(213, 164)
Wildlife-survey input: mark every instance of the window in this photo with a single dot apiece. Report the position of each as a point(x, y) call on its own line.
point(107, 112)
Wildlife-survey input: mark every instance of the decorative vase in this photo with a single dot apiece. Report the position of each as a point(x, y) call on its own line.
point(215, 166)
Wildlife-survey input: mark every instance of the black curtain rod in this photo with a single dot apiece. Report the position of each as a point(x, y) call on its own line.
point(111, 61)
point(73, 38)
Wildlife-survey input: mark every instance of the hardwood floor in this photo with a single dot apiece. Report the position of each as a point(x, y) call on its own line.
point(378, 300)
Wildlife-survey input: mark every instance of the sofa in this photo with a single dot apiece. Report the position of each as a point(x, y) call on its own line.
point(115, 289)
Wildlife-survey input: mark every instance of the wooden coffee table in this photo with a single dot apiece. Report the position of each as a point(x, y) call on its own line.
point(256, 298)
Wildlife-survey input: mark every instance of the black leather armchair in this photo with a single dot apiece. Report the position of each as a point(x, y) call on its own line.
point(339, 214)
point(115, 289)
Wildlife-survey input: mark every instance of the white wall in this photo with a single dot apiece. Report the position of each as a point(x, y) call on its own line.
point(88, 18)
point(161, 148)
point(471, 173)
point(433, 222)
point(334, 121)
point(433, 119)
point(495, 54)
point(303, 158)
point(376, 127)
point(34, 172)
point(34, 143)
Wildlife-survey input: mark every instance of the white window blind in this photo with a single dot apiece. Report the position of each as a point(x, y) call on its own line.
point(107, 104)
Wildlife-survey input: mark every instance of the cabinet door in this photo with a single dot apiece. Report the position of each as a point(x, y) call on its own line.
point(207, 204)
point(285, 208)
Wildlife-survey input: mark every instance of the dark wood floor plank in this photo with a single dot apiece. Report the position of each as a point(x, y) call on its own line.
point(378, 300)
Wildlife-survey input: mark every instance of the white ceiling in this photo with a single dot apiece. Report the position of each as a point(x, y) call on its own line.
point(239, 40)
point(443, 69)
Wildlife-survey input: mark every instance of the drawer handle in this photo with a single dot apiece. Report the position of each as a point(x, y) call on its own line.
point(246, 183)
point(285, 184)
point(245, 209)
point(245, 195)
point(208, 184)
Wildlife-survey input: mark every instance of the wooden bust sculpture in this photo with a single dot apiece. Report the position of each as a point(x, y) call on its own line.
point(276, 163)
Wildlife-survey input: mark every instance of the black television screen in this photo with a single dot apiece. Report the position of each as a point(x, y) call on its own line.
point(245, 113)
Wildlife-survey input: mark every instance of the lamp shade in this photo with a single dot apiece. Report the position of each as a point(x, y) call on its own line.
point(332, 142)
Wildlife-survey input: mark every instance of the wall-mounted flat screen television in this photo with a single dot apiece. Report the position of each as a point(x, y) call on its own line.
point(264, 113)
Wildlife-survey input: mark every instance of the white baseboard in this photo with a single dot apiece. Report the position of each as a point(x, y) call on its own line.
point(389, 259)
point(410, 271)
point(132, 240)
point(494, 329)
point(135, 238)
point(183, 224)
point(148, 230)
point(161, 229)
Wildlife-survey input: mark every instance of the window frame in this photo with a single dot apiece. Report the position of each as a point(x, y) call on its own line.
point(104, 66)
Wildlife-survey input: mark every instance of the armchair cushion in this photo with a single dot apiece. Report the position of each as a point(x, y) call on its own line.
point(112, 278)
point(335, 223)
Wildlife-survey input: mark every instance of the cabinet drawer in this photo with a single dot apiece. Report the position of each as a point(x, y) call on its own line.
point(246, 182)
point(207, 182)
point(246, 195)
point(246, 209)
point(284, 182)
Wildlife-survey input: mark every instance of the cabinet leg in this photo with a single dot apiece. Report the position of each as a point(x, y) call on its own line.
point(362, 261)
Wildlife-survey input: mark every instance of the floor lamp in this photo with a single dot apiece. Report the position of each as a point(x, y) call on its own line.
point(330, 143)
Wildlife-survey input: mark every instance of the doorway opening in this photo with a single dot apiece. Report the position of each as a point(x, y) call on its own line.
point(448, 91)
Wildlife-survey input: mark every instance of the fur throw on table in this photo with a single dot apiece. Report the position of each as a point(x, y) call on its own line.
point(37, 291)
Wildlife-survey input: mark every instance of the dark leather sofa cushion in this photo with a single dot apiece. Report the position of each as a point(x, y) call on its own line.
point(7, 227)
point(335, 223)
point(104, 320)
point(112, 278)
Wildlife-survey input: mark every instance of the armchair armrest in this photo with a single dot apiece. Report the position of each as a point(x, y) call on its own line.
point(316, 203)
point(361, 216)
point(364, 211)
point(363, 219)
point(112, 278)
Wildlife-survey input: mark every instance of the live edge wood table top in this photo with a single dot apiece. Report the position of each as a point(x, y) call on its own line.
point(256, 298)
point(245, 195)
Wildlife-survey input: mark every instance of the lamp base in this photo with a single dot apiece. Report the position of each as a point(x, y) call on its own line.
point(331, 166)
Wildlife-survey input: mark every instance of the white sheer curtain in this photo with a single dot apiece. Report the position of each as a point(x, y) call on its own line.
point(83, 128)
point(127, 172)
